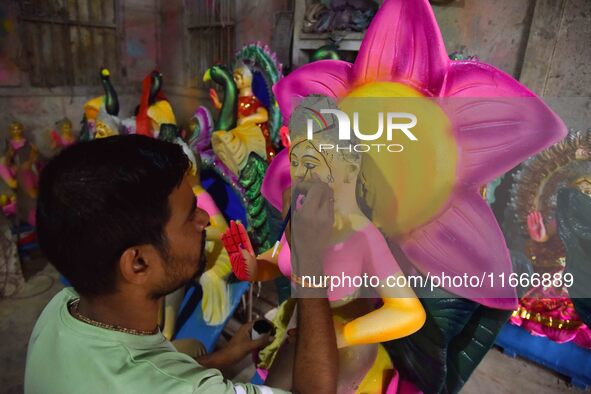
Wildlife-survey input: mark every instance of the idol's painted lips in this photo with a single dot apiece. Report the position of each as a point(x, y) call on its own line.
point(403, 55)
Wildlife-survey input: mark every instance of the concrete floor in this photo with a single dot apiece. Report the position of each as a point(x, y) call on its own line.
point(17, 318)
point(496, 374)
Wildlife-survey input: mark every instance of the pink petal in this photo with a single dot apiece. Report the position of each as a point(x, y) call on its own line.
point(559, 335)
point(325, 77)
point(475, 79)
point(583, 337)
point(497, 121)
point(403, 43)
point(465, 239)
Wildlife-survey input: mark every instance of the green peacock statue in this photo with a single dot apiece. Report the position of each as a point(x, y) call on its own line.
point(245, 135)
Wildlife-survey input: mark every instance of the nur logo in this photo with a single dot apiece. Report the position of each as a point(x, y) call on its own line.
point(394, 121)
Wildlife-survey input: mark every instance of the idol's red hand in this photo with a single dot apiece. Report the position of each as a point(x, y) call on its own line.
point(237, 243)
point(215, 100)
point(536, 228)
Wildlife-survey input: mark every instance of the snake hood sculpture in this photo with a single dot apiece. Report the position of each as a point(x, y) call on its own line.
point(474, 123)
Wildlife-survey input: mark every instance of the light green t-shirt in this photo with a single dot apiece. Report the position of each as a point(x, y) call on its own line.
point(66, 356)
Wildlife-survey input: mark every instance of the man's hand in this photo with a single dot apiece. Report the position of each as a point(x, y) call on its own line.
point(312, 224)
point(240, 346)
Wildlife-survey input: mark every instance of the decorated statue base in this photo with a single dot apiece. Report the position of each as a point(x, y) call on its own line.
point(567, 358)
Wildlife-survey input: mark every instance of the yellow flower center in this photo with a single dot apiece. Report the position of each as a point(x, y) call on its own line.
point(406, 189)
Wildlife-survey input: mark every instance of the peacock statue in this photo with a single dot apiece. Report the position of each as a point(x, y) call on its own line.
point(244, 138)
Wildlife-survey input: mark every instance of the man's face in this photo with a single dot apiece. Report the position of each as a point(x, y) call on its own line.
point(184, 257)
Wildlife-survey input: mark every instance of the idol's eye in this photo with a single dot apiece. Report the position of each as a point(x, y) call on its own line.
point(310, 166)
point(294, 163)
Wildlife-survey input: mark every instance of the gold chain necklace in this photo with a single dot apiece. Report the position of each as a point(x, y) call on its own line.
point(74, 305)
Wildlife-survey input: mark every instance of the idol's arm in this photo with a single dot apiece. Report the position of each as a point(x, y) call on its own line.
point(172, 304)
point(262, 268)
point(401, 315)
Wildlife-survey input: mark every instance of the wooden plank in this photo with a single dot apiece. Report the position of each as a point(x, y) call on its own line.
point(298, 57)
point(83, 15)
point(282, 37)
point(569, 70)
point(58, 21)
point(99, 38)
point(111, 61)
point(187, 78)
point(34, 72)
point(541, 45)
point(119, 10)
point(73, 48)
point(77, 57)
point(106, 11)
point(92, 49)
point(66, 50)
point(89, 69)
point(210, 24)
point(38, 55)
point(49, 63)
point(71, 10)
point(59, 56)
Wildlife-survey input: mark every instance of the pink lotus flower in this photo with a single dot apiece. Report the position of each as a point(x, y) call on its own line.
point(492, 124)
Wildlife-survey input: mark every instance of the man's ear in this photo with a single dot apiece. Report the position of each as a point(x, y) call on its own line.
point(136, 263)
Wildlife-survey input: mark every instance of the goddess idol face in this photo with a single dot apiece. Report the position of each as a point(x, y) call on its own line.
point(337, 169)
point(15, 130)
point(103, 130)
point(310, 130)
point(242, 77)
point(66, 128)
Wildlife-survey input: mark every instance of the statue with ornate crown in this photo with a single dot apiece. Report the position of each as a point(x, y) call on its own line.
point(549, 196)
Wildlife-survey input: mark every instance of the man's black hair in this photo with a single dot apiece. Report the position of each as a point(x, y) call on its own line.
point(98, 198)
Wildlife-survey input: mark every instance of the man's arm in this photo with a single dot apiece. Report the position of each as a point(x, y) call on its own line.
point(316, 337)
point(316, 355)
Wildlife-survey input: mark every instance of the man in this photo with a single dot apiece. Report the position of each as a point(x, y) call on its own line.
point(118, 218)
